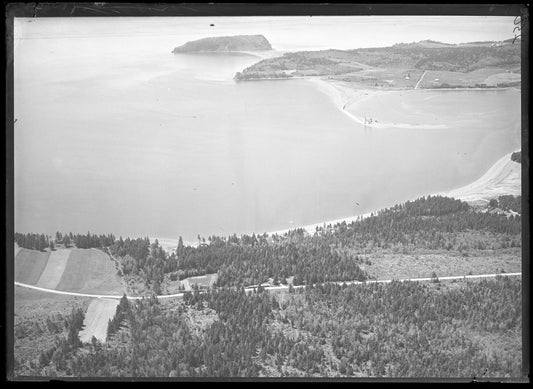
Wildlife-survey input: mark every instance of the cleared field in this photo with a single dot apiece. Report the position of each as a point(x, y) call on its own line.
point(388, 265)
point(388, 78)
point(98, 314)
point(90, 271)
point(204, 281)
point(489, 76)
point(507, 78)
point(29, 265)
point(52, 273)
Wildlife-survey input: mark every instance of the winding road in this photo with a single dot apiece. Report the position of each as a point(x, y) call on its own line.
point(278, 288)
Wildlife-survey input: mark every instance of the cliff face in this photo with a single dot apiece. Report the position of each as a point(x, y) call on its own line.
point(226, 43)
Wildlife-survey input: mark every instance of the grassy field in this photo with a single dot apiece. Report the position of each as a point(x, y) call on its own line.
point(171, 287)
point(98, 314)
point(382, 78)
point(57, 262)
point(90, 271)
point(204, 281)
point(29, 265)
point(76, 270)
point(488, 76)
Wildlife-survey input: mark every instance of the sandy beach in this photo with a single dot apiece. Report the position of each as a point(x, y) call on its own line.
point(503, 178)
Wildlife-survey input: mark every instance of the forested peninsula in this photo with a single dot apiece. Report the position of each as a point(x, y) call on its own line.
point(434, 64)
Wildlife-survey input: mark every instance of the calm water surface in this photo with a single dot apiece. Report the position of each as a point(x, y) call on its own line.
point(126, 137)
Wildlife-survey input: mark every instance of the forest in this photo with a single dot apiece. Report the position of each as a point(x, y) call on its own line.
point(434, 330)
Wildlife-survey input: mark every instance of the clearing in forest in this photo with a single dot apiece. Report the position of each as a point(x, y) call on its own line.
point(52, 273)
point(90, 271)
point(97, 317)
point(205, 281)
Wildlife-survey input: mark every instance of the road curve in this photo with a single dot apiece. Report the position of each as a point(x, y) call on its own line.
point(280, 287)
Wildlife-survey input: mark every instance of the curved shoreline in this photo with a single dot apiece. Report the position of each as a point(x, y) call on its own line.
point(504, 177)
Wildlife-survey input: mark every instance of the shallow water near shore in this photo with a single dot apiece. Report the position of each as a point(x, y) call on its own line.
point(152, 143)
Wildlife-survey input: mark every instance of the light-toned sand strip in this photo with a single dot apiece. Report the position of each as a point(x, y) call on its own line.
point(344, 97)
point(52, 273)
point(503, 178)
point(311, 228)
point(97, 317)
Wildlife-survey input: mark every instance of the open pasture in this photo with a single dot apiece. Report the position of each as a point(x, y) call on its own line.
point(90, 271)
point(29, 265)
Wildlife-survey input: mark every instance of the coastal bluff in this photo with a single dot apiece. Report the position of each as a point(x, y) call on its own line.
point(225, 44)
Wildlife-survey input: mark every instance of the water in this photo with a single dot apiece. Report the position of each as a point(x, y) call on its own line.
point(116, 134)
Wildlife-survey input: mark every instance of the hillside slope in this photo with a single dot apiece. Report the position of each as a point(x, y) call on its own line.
point(69, 270)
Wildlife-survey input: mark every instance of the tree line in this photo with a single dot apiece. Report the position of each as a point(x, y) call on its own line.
point(41, 241)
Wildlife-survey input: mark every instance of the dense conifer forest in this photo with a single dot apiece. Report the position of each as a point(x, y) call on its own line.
point(433, 330)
